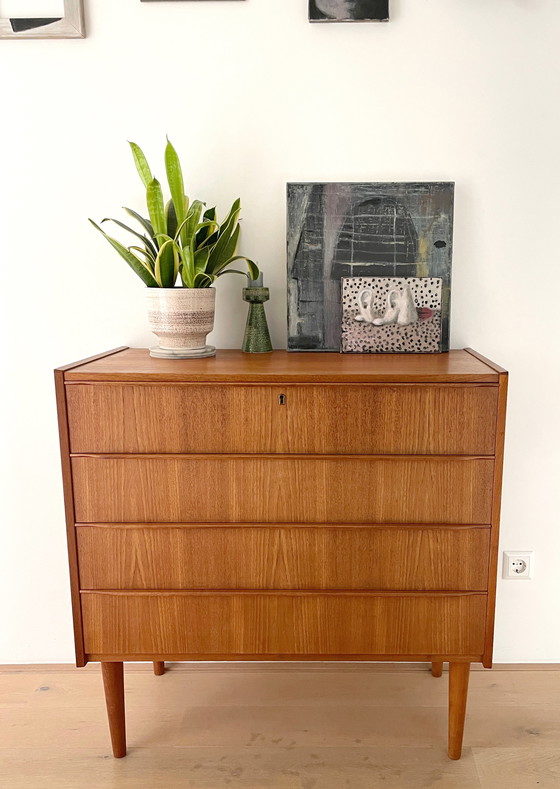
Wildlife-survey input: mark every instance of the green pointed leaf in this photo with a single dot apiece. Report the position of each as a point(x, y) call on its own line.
point(191, 222)
point(137, 265)
point(234, 210)
point(254, 270)
point(201, 259)
point(220, 248)
point(204, 234)
point(171, 219)
point(179, 231)
point(176, 261)
point(231, 246)
point(141, 164)
point(161, 238)
point(202, 280)
point(149, 260)
point(146, 224)
point(185, 279)
point(210, 214)
point(175, 181)
point(231, 271)
point(186, 266)
point(194, 237)
point(165, 265)
point(154, 199)
point(146, 241)
point(211, 240)
point(251, 265)
point(224, 248)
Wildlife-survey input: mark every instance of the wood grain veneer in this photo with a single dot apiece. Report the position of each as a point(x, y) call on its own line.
point(288, 489)
point(496, 509)
point(62, 414)
point(69, 514)
point(113, 683)
point(136, 364)
point(287, 557)
point(330, 419)
point(356, 517)
point(458, 689)
point(292, 623)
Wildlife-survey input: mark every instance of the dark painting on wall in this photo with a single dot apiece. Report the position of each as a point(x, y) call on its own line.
point(348, 10)
point(338, 230)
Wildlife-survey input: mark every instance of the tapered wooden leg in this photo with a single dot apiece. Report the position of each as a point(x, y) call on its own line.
point(437, 669)
point(113, 682)
point(159, 668)
point(458, 689)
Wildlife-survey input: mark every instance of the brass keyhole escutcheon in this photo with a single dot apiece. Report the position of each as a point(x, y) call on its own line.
point(282, 399)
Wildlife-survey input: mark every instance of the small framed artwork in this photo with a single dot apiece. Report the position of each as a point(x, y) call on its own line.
point(391, 314)
point(348, 10)
point(42, 19)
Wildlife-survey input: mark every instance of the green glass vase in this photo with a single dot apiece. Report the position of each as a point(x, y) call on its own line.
point(257, 337)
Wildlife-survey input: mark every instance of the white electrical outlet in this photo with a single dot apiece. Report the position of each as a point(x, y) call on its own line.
point(518, 565)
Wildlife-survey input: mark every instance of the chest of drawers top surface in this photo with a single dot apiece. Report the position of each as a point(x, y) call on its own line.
point(135, 364)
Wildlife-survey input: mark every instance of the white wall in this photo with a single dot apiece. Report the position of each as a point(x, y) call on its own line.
point(254, 96)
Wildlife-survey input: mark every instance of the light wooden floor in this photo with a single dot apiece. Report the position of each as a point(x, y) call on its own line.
point(265, 726)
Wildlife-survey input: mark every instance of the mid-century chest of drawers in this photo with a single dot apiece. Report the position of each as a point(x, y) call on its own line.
point(283, 507)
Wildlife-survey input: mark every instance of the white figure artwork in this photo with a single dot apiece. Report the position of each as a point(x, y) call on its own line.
point(391, 314)
point(400, 308)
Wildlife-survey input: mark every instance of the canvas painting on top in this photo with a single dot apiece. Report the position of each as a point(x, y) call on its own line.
point(338, 230)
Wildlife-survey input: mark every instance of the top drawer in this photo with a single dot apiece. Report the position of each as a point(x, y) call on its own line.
point(318, 419)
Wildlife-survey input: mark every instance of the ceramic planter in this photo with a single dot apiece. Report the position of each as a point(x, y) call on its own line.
point(181, 318)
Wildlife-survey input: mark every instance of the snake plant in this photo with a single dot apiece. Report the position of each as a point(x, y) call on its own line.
point(178, 237)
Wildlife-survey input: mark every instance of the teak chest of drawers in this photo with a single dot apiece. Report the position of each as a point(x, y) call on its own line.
point(283, 507)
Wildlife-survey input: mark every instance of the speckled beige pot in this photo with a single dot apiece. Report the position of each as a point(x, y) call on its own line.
point(181, 317)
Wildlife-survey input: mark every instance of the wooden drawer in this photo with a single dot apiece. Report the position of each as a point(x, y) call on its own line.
point(266, 489)
point(283, 557)
point(226, 624)
point(337, 419)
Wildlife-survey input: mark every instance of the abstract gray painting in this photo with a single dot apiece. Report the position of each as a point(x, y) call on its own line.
point(348, 10)
point(340, 230)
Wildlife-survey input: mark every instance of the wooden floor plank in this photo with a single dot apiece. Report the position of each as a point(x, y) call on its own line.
point(244, 768)
point(176, 691)
point(270, 728)
point(518, 768)
point(78, 688)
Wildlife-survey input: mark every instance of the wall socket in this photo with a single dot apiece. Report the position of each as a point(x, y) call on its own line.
point(518, 565)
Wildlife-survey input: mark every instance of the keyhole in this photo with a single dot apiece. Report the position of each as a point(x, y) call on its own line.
point(282, 399)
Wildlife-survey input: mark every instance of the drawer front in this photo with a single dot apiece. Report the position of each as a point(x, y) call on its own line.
point(282, 490)
point(226, 624)
point(374, 419)
point(298, 557)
